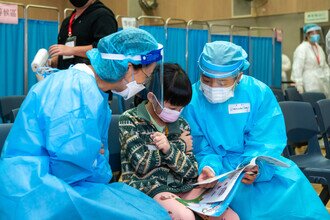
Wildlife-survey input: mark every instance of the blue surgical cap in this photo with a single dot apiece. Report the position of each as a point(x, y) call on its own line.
point(222, 59)
point(128, 42)
point(311, 27)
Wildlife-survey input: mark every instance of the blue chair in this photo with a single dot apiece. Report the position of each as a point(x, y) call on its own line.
point(292, 94)
point(4, 131)
point(322, 109)
point(114, 147)
point(8, 103)
point(129, 103)
point(13, 114)
point(116, 104)
point(301, 126)
point(312, 97)
point(278, 94)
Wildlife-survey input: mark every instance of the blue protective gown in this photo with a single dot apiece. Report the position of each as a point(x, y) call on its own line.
point(51, 168)
point(247, 125)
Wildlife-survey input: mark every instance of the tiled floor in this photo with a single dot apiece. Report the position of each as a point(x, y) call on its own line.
point(318, 189)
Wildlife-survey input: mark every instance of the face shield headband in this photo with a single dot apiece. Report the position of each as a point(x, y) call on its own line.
point(219, 71)
point(316, 28)
point(151, 57)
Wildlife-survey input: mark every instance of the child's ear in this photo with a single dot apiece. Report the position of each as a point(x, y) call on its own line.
point(150, 97)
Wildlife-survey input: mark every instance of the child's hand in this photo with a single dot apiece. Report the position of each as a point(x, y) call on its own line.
point(160, 141)
point(206, 173)
point(250, 175)
point(186, 137)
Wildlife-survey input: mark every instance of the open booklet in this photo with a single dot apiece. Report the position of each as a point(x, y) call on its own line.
point(213, 202)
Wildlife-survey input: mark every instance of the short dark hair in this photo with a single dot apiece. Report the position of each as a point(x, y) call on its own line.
point(137, 66)
point(177, 86)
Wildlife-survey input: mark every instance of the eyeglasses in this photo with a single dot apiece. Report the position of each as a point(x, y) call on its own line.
point(219, 82)
point(148, 77)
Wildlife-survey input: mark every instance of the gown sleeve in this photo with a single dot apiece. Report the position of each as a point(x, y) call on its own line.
point(65, 118)
point(266, 133)
point(204, 153)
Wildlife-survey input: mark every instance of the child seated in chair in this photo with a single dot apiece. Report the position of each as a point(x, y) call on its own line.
point(156, 154)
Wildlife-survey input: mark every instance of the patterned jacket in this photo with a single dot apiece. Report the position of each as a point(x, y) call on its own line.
point(150, 170)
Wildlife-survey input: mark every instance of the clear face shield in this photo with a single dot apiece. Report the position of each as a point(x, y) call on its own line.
point(147, 77)
point(155, 91)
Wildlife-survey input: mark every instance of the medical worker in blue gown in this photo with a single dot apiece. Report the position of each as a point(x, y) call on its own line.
point(52, 165)
point(234, 117)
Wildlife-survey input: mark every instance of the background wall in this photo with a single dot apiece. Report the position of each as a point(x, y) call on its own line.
point(40, 13)
point(287, 15)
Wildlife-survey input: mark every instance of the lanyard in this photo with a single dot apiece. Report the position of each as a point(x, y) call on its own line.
point(316, 53)
point(70, 24)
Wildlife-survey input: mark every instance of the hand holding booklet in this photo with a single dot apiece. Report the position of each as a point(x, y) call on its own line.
point(213, 202)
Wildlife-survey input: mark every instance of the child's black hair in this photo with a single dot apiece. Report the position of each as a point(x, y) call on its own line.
point(177, 86)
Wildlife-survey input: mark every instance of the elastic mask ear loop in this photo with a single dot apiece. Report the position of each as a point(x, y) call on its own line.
point(235, 83)
point(133, 76)
point(157, 102)
point(238, 77)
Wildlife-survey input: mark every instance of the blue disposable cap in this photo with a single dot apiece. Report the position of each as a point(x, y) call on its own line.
point(219, 71)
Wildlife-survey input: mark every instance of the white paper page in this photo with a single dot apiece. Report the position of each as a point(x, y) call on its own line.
point(221, 190)
point(210, 180)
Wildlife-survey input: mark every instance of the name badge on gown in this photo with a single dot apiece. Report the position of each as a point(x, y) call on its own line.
point(239, 108)
point(70, 42)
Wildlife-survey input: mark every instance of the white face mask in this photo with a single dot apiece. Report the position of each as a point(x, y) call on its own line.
point(132, 89)
point(217, 94)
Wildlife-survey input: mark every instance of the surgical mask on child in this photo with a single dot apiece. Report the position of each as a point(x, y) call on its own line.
point(217, 94)
point(166, 115)
point(132, 88)
point(169, 115)
point(314, 38)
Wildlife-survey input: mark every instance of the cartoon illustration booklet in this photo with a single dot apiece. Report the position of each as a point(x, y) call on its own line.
point(213, 202)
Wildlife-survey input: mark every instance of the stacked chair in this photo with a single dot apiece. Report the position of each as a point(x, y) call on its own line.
point(322, 109)
point(7, 104)
point(302, 127)
point(114, 147)
point(278, 94)
point(4, 131)
point(292, 94)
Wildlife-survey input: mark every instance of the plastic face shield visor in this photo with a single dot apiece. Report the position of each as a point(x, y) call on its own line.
point(156, 87)
point(154, 82)
point(219, 71)
point(315, 28)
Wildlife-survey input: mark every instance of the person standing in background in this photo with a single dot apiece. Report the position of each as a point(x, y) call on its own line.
point(89, 22)
point(81, 31)
point(310, 71)
point(327, 45)
point(286, 67)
